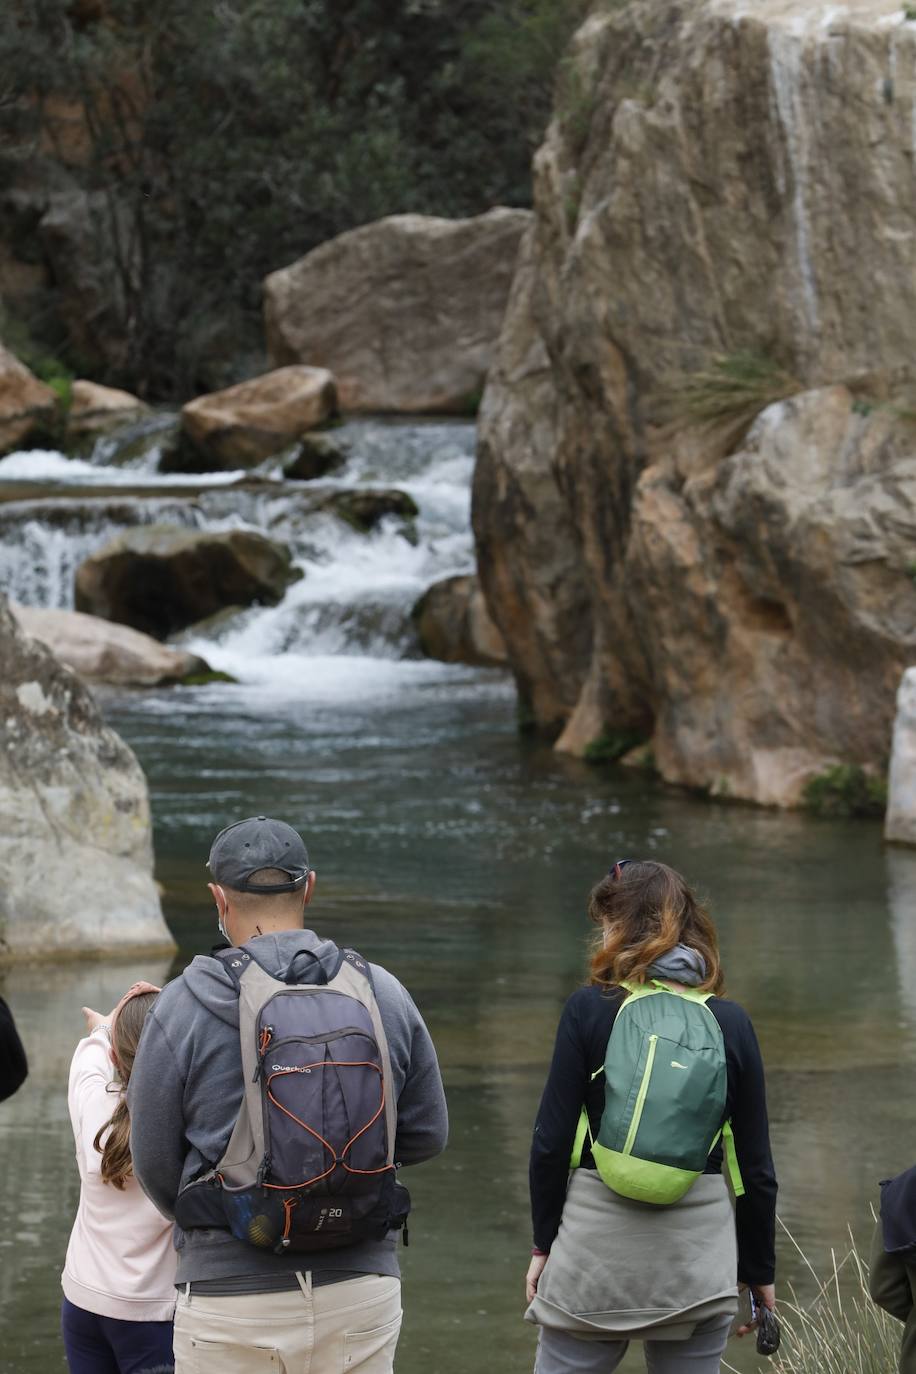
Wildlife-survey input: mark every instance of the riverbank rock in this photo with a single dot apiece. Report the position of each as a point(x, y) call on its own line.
point(405, 312)
point(246, 423)
point(74, 813)
point(96, 409)
point(454, 625)
point(160, 579)
point(103, 651)
point(900, 822)
point(28, 408)
point(736, 590)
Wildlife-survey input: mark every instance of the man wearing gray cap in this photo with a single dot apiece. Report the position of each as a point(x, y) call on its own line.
point(314, 1284)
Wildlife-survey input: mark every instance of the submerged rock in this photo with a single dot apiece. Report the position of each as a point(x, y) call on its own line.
point(160, 579)
point(103, 651)
point(74, 814)
point(97, 409)
point(246, 423)
point(28, 408)
point(405, 312)
point(741, 594)
point(366, 509)
point(315, 457)
point(454, 625)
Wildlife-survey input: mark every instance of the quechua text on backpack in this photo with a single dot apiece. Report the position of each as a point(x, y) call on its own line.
point(310, 1162)
point(666, 1086)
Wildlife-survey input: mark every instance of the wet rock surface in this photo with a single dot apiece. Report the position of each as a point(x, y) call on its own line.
point(160, 579)
point(365, 509)
point(75, 817)
point(317, 456)
point(900, 822)
point(103, 651)
point(453, 624)
point(740, 596)
point(405, 312)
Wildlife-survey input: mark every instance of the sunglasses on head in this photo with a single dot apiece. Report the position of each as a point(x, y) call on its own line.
point(614, 870)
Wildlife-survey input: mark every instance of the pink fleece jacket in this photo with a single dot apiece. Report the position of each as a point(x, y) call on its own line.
point(120, 1261)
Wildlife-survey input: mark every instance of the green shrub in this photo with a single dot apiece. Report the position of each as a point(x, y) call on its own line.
point(846, 790)
point(612, 745)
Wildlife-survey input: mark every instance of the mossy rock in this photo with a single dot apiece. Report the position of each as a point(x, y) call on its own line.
point(204, 679)
point(611, 745)
point(364, 510)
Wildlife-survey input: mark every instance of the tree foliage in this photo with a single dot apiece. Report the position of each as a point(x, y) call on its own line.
point(225, 139)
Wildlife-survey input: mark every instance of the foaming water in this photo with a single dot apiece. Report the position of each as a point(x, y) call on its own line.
point(358, 588)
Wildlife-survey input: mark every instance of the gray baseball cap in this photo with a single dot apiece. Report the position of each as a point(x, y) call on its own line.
point(259, 842)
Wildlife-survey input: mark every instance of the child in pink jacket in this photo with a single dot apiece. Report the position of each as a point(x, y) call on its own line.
point(119, 1275)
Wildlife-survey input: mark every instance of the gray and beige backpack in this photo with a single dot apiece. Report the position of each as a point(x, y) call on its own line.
point(310, 1162)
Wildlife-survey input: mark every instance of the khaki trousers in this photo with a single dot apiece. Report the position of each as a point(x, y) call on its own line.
point(337, 1328)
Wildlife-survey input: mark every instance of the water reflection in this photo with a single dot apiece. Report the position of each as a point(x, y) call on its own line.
point(460, 857)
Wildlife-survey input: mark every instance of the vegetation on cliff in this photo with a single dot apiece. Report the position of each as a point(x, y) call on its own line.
point(161, 159)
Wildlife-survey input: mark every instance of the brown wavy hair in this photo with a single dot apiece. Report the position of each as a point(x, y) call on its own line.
point(117, 1165)
point(643, 913)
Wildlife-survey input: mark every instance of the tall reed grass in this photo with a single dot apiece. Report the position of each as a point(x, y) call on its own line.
point(839, 1330)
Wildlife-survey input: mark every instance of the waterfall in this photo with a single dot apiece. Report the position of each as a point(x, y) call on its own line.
point(786, 50)
point(348, 618)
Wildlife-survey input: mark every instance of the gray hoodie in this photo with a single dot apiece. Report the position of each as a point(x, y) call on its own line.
point(186, 1087)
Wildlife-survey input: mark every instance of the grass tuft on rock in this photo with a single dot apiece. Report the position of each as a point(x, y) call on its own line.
point(841, 1331)
point(733, 390)
point(611, 745)
point(846, 790)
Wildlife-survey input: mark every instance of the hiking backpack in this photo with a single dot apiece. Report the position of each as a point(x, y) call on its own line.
point(310, 1162)
point(665, 1093)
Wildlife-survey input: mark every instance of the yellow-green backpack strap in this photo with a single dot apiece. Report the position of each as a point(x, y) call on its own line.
point(731, 1160)
point(582, 1131)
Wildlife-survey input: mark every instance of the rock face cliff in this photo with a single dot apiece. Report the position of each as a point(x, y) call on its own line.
point(695, 499)
point(74, 815)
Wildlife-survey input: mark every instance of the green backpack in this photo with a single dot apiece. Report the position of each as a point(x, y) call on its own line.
point(664, 1097)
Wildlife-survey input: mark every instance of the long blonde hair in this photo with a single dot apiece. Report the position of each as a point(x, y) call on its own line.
point(117, 1165)
point(643, 909)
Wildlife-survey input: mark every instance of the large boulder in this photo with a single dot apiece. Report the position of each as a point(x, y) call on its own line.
point(739, 593)
point(454, 625)
point(405, 312)
point(160, 579)
point(900, 822)
point(74, 814)
point(103, 651)
point(96, 409)
point(246, 423)
point(27, 407)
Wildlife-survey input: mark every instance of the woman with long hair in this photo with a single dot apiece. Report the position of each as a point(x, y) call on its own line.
point(119, 1275)
point(640, 1242)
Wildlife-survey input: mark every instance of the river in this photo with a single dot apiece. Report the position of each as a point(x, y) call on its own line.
point(459, 854)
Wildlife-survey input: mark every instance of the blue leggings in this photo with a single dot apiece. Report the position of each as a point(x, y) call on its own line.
point(107, 1345)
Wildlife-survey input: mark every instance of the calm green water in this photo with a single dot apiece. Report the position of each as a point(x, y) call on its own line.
point(459, 856)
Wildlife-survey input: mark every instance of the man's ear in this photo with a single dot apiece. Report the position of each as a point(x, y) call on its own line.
point(219, 897)
point(309, 889)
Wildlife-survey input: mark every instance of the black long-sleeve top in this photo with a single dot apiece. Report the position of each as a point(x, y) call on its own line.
point(582, 1037)
point(13, 1067)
